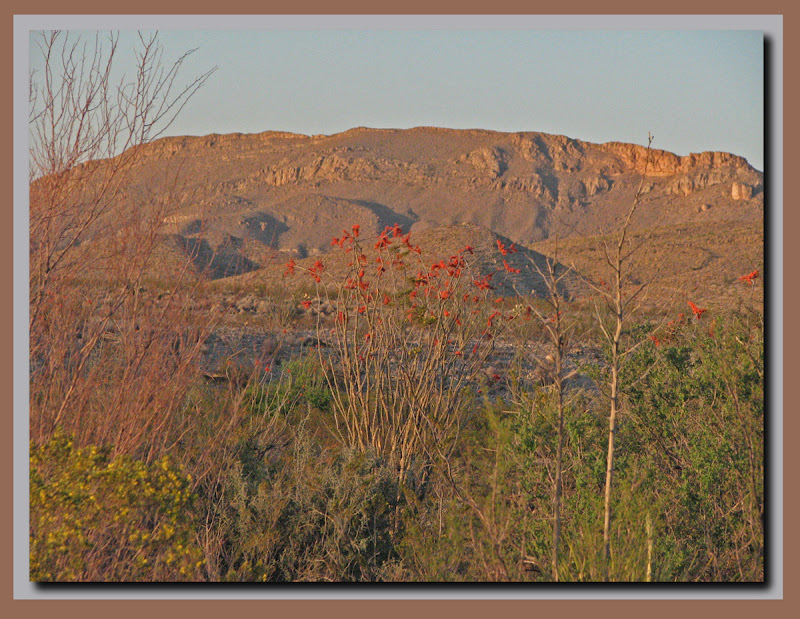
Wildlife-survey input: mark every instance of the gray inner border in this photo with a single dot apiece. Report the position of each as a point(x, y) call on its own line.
point(770, 25)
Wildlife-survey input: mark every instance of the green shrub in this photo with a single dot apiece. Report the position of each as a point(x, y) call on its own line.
point(316, 515)
point(303, 381)
point(697, 406)
point(97, 518)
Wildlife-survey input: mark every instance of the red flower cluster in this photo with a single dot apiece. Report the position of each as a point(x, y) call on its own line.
point(347, 238)
point(396, 232)
point(383, 240)
point(748, 279)
point(698, 312)
point(316, 270)
point(352, 284)
point(484, 283)
point(435, 295)
point(505, 251)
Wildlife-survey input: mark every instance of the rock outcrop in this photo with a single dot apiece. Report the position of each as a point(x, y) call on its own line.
point(741, 191)
point(633, 157)
point(487, 161)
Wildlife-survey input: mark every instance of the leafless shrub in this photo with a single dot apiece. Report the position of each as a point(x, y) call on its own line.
point(111, 355)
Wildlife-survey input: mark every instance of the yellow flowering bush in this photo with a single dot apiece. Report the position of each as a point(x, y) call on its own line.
point(96, 518)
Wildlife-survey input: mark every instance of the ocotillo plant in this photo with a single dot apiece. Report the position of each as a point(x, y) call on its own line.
point(408, 338)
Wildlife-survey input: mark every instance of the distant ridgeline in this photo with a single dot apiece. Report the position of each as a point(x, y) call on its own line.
point(252, 196)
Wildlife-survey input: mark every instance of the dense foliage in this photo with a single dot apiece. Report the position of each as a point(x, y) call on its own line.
point(288, 500)
point(98, 518)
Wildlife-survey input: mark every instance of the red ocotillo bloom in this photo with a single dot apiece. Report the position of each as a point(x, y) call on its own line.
point(509, 268)
point(748, 279)
point(506, 250)
point(289, 268)
point(484, 282)
point(698, 312)
point(315, 270)
point(383, 241)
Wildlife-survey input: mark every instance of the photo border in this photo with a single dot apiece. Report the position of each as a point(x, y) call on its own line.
point(437, 16)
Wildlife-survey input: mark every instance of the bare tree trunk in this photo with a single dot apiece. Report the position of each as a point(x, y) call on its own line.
point(559, 457)
point(617, 258)
point(557, 336)
point(612, 432)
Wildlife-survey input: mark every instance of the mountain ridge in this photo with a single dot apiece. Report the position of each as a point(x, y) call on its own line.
point(523, 185)
point(250, 198)
point(690, 160)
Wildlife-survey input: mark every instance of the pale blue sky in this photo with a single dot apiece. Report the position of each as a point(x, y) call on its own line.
point(694, 90)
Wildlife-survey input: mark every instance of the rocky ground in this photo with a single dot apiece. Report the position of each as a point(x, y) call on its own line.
point(242, 353)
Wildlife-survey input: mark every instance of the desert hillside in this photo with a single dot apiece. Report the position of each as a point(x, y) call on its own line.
point(242, 203)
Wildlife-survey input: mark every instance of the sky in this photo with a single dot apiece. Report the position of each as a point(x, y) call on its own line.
point(694, 90)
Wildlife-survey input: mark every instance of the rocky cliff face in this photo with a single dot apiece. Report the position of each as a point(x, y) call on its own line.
point(633, 157)
point(290, 193)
